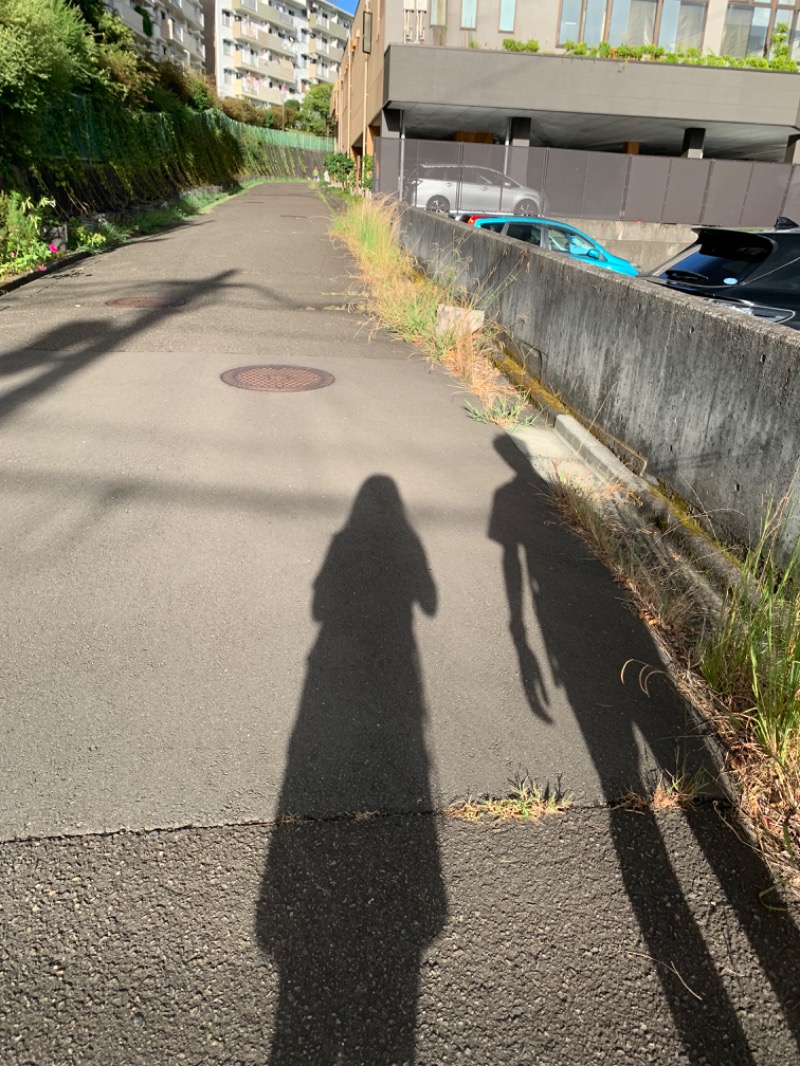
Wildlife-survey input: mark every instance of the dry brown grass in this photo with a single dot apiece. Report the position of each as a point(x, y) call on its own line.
point(671, 792)
point(682, 608)
point(405, 302)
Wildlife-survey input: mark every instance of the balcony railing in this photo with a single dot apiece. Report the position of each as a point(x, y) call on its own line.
point(277, 18)
point(281, 45)
point(279, 72)
point(246, 60)
point(193, 14)
point(326, 25)
point(247, 31)
point(132, 19)
point(252, 88)
point(248, 7)
point(274, 96)
point(327, 75)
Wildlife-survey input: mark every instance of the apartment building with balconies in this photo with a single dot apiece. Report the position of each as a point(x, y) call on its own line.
point(268, 51)
point(166, 29)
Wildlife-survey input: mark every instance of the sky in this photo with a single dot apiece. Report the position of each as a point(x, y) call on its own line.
point(347, 5)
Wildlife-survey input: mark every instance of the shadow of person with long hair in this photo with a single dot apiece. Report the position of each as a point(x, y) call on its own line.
point(349, 900)
point(586, 637)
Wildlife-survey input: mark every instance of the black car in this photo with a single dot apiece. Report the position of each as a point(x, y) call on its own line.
point(755, 273)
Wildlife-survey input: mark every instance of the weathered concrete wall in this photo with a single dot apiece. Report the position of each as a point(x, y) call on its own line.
point(709, 397)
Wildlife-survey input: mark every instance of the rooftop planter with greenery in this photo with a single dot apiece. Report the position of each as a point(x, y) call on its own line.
point(780, 57)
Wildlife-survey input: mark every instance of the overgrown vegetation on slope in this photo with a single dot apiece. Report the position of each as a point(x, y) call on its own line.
point(88, 123)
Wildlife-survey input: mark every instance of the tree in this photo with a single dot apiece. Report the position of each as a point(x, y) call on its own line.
point(46, 51)
point(291, 110)
point(340, 168)
point(315, 111)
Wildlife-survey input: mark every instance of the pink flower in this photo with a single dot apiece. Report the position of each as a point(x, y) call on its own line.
point(53, 247)
point(42, 266)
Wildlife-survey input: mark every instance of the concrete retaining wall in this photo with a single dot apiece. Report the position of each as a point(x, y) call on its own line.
point(648, 244)
point(711, 399)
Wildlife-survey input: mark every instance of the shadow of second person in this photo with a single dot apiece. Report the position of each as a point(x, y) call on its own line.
point(349, 901)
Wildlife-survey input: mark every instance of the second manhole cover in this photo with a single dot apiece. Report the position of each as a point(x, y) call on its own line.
point(278, 378)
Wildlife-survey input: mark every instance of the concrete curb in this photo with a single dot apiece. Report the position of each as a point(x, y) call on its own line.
point(595, 454)
point(649, 504)
point(54, 268)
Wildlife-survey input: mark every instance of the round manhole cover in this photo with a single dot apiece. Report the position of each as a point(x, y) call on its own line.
point(278, 378)
point(145, 301)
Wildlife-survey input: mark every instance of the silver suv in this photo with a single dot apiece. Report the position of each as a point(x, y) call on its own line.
point(447, 187)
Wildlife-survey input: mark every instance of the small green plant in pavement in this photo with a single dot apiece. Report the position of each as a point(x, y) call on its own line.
point(504, 411)
point(525, 801)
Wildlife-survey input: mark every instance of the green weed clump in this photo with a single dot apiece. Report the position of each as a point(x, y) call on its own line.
point(752, 658)
point(407, 303)
point(23, 246)
point(525, 801)
point(737, 656)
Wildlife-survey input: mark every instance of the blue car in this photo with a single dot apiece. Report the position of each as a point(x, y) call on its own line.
point(557, 237)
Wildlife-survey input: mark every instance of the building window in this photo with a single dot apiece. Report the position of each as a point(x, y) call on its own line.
point(469, 14)
point(633, 22)
point(749, 28)
point(674, 25)
point(438, 12)
point(582, 20)
point(682, 25)
point(507, 12)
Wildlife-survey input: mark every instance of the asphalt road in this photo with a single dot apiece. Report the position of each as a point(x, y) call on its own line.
point(222, 607)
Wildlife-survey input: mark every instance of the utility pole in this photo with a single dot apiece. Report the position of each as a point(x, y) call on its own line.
point(366, 45)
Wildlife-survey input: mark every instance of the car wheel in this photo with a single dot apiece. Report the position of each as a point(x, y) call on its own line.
point(529, 208)
point(440, 204)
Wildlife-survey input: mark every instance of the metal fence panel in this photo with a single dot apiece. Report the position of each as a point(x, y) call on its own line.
point(726, 192)
point(565, 182)
point(431, 173)
point(386, 166)
point(450, 176)
point(606, 180)
point(791, 204)
point(763, 202)
point(535, 168)
point(647, 189)
point(686, 188)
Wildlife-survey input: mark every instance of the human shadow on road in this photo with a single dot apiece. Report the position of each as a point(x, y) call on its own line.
point(586, 637)
point(350, 898)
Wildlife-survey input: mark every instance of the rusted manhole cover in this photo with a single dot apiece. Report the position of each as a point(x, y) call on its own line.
point(278, 378)
point(145, 301)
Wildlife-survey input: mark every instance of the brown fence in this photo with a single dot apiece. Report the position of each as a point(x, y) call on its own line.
point(578, 184)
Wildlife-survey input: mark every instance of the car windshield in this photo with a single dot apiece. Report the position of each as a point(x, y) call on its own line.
point(716, 261)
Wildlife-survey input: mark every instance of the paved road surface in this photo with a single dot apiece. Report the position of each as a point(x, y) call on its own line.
point(223, 606)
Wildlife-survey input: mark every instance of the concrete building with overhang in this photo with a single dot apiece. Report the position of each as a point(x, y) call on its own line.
point(441, 70)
